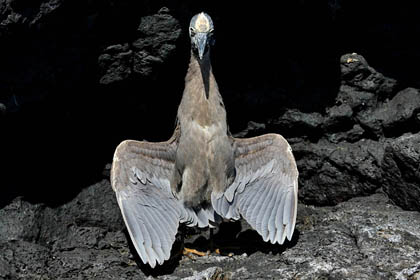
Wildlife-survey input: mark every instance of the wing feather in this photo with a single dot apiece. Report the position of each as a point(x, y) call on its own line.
point(265, 187)
point(245, 200)
point(292, 215)
point(135, 232)
point(253, 207)
point(279, 219)
point(287, 208)
point(265, 227)
point(272, 220)
point(154, 228)
point(261, 211)
point(140, 177)
point(167, 228)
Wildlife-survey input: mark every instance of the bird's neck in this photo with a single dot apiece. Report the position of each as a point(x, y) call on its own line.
point(201, 100)
point(200, 76)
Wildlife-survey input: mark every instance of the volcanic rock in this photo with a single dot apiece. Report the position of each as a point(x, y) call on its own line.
point(362, 238)
point(401, 171)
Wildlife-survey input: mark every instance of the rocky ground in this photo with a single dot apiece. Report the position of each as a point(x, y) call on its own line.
point(72, 86)
point(362, 238)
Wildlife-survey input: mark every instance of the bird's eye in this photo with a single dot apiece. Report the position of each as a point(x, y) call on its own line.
point(192, 32)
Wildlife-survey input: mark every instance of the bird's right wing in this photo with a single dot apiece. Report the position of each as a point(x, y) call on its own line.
point(140, 177)
point(265, 188)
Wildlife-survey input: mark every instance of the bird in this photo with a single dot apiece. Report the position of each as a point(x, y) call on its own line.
point(203, 175)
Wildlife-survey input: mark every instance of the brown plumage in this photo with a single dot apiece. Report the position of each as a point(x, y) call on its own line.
point(202, 174)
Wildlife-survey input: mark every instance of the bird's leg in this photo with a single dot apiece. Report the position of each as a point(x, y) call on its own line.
point(211, 245)
point(222, 249)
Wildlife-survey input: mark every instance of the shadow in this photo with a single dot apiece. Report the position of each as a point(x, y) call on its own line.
point(231, 238)
point(168, 267)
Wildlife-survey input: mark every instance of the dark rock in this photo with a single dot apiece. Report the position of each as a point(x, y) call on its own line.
point(356, 72)
point(23, 260)
point(14, 13)
point(356, 99)
point(340, 155)
point(116, 63)
point(212, 273)
point(144, 63)
point(20, 220)
point(355, 134)
point(401, 167)
point(402, 111)
point(158, 37)
point(295, 123)
point(156, 42)
point(151, 26)
point(339, 118)
point(94, 208)
point(253, 128)
point(394, 117)
point(330, 173)
point(364, 89)
point(357, 239)
point(363, 238)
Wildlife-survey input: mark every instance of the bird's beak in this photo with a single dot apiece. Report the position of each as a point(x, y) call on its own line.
point(200, 43)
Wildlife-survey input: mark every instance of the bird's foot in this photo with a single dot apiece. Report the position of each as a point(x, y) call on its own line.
point(188, 252)
point(224, 251)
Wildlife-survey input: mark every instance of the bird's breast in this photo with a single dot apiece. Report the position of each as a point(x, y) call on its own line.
point(208, 134)
point(204, 151)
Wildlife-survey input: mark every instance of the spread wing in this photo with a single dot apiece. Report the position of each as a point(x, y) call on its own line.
point(140, 177)
point(265, 188)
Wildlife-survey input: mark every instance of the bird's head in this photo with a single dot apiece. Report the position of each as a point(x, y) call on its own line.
point(201, 34)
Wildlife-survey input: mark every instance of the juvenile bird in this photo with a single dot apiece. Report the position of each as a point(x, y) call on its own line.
point(202, 174)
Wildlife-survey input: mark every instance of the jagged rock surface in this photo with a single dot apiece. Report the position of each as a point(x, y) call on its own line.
point(362, 238)
point(341, 153)
point(157, 38)
point(332, 173)
point(402, 165)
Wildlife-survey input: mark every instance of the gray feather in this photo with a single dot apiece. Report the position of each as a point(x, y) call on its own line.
point(273, 213)
point(202, 218)
point(265, 227)
point(265, 187)
point(279, 219)
point(291, 216)
point(134, 231)
point(151, 212)
point(259, 203)
point(229, 194)
point(287, 208)
point(260, 215)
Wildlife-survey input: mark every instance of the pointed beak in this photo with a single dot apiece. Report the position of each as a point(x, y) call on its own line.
point(200, 43)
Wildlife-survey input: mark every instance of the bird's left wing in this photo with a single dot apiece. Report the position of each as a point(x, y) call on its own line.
point(265, 188)
point(140, 177)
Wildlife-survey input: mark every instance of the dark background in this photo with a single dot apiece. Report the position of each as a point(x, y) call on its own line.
point(59, 124)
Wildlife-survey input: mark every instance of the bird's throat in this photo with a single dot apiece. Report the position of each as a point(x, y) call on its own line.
point(205, 69)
